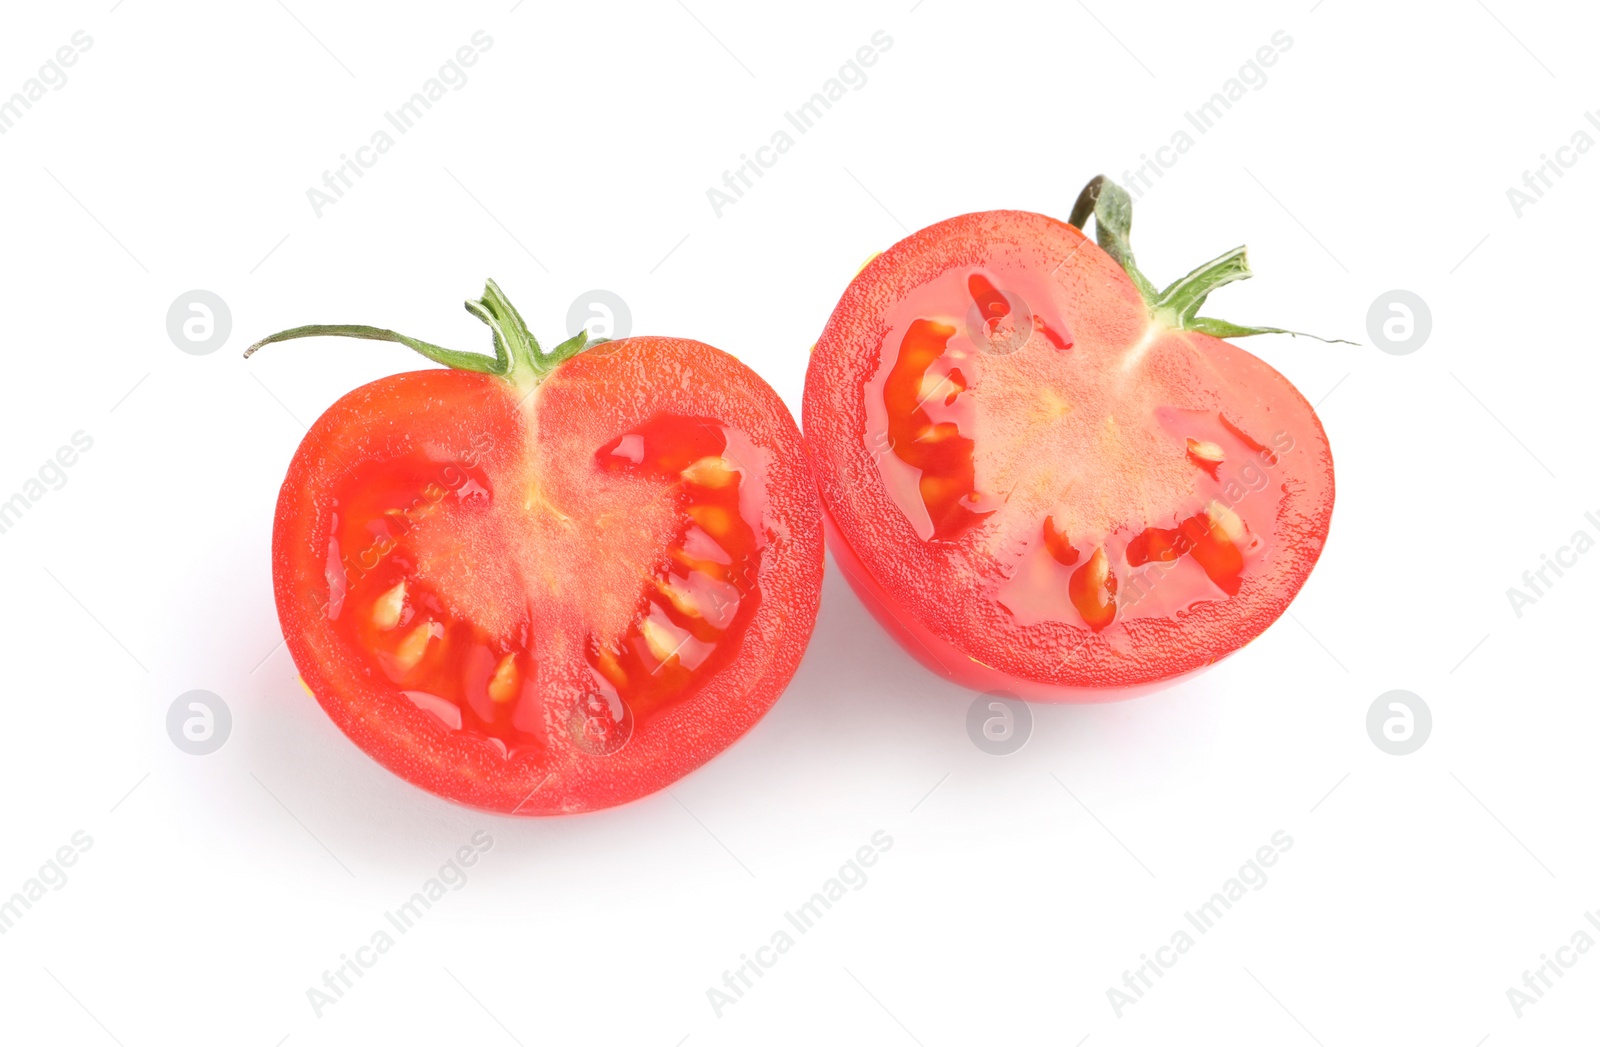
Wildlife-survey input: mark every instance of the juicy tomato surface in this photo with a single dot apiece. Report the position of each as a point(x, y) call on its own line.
point(1039, 484)
point(551, 599)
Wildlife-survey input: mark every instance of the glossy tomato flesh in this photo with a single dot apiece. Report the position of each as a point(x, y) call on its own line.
point(554, 599)
point(1039, 487)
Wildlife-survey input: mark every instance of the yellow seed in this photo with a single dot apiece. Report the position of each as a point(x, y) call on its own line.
point(662, 640)
point(716, 520)
point(387, 608)
point(1227, 521)
point(932, 385)
point(611, 669)
point(710, 471)
point(710, 567)
point(413, 647)
point(680, 597)
point(1099, 569)
point(1205, 450)
point(503, 684)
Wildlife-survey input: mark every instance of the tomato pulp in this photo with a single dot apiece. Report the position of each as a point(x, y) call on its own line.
point(1044, 475)
point(549, 582)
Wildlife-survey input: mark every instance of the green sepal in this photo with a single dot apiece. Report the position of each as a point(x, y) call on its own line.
point(568, 349)
point(438, 354)
point(517, 356)
point(1224, 329)
point(1178, 304)
point(1186, 295)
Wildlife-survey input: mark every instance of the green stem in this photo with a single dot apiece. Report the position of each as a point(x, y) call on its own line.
point(1176, 306)
point(1112, 209)
point(517, 356)
point(1084, 208)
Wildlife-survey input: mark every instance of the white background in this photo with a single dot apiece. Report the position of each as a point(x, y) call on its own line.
point(1018, 889)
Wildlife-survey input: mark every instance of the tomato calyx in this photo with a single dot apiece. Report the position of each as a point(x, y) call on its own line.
point(1178, 304)
point(517, 355)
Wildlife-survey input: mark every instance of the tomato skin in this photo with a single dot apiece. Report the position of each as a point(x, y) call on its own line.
point(922, 588)
point(951, 662)
point(588, 400)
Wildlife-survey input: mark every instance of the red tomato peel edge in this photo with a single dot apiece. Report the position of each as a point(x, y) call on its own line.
point(547, 582)
point(1044, 475)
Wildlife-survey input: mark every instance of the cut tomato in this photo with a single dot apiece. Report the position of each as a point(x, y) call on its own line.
point(1045, 475)
point(549, 582)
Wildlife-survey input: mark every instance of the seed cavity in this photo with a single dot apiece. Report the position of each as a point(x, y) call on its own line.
point(1061, 549)
point(630, 448)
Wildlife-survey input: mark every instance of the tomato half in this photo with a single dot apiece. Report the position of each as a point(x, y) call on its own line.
point(1044, 475)
point(548, 582)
